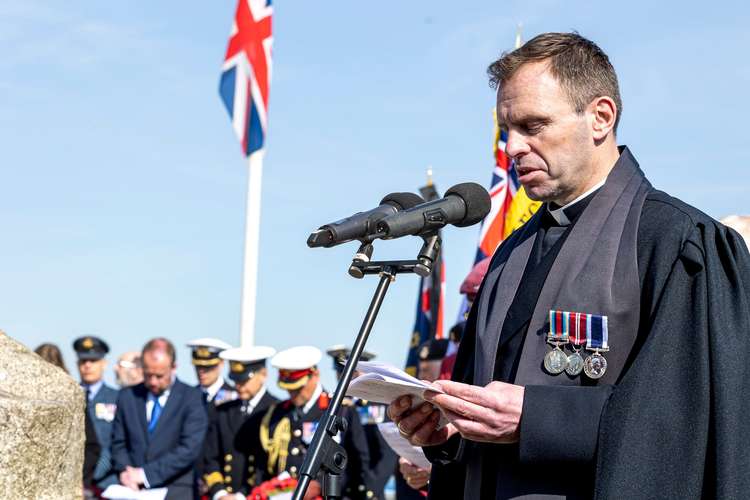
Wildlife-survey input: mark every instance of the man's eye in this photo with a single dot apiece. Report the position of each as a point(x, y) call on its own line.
point(533, 128)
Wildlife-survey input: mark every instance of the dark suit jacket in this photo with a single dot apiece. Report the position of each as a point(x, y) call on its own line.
point(167, 455)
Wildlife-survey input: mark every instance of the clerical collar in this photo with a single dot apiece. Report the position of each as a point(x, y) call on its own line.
point(564, 215)
point(313, 399)
point(212, 389)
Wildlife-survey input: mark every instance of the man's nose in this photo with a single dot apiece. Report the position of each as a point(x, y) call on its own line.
point(516, 145)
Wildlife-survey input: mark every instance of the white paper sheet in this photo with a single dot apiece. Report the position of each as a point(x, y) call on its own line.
point(120, 492)
point(383, 383)
point(401, 446)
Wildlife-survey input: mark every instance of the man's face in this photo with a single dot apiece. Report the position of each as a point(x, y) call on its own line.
point(207, 375)
point(251, 386)
point(91, 370)
point(429, 370)
point(551, 143)
point(301, 396)
point(158, 371)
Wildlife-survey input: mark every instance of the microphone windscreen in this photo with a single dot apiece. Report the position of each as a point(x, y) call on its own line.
point(402, 201)
point(477, 201)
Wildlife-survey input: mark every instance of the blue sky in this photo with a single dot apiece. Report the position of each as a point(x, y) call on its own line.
point(123, 187)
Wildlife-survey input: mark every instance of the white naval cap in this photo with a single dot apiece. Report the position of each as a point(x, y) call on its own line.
point(297, 358)
point(296, 366)
point(217, 344)
point(245, 361)
point(206, 351)
point(248, 354)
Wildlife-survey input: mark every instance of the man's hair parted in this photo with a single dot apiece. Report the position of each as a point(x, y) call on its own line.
point(579, 65)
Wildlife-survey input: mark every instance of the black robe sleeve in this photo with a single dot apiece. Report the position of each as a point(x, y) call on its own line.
point(676, 425)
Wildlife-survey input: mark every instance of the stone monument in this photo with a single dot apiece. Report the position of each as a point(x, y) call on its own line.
point(41, 427)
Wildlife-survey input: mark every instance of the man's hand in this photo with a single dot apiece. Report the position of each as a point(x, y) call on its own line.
point(314, 490)
point(127, 479)
point(489, 414)
point(419, 425)
point(415, 477)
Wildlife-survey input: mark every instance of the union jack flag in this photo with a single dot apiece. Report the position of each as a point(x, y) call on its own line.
point(246, 73)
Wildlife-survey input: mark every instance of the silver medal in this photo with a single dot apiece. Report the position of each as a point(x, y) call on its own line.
point(555, 361)
point(575, 364)
point(595, 366)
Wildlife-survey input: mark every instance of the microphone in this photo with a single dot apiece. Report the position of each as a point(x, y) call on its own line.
point(463, 205)
point(361, 224)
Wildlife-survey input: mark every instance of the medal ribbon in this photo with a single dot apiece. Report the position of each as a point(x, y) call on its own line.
point(559, 322)
point(578, 328)
point(598, 332)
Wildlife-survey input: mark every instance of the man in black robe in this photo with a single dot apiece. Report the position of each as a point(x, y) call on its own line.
point(666, 416)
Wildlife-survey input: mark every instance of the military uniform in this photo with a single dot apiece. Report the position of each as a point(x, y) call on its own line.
point(371, 461)
point(101, 404)
point(228, 465)
point(206, 355)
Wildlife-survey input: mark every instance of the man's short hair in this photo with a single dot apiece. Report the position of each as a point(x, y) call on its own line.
point(579, 65)
point(160, 344)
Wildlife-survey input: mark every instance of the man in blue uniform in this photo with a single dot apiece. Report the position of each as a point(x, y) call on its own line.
point(101, 402)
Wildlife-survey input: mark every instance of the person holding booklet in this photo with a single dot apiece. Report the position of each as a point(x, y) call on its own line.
point(605, 353)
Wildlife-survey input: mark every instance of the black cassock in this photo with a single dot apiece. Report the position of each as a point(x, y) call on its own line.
point(676, 422)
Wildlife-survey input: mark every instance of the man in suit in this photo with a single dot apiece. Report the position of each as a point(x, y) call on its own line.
point(101, 402)
point(230, 473)
point(209, 367)
point(159, 427)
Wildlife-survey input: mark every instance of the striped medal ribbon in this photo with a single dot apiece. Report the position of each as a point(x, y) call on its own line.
point(578, 337)
point(597, 341)
point(555, 361)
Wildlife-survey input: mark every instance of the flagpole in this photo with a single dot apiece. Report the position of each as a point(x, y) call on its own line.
point(252, 236)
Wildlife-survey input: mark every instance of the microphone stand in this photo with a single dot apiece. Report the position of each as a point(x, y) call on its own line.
point(324, 452)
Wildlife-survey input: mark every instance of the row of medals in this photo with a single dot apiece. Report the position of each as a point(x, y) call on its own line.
point(556, 362)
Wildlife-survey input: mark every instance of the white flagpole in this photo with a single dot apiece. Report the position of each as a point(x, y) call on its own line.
point(252, 233)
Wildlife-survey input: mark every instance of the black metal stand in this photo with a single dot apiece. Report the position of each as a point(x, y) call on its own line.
point(324, 452)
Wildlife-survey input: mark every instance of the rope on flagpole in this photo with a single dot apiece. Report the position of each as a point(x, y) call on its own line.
point(252, 237)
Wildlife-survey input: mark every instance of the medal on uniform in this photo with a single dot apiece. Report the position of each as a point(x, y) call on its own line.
point(555, 361)
point(598, 334)
point(577, 337)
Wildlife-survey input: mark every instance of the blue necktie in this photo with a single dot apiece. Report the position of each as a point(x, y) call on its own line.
point(155, 414)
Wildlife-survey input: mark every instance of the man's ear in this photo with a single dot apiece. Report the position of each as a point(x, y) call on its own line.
point(603, 112)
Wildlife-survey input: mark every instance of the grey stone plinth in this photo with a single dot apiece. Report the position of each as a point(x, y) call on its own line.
point(41, 427)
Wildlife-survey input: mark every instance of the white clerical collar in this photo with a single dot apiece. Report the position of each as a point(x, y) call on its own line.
point(313, 399)
point(212, 389)
point(559, 213)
